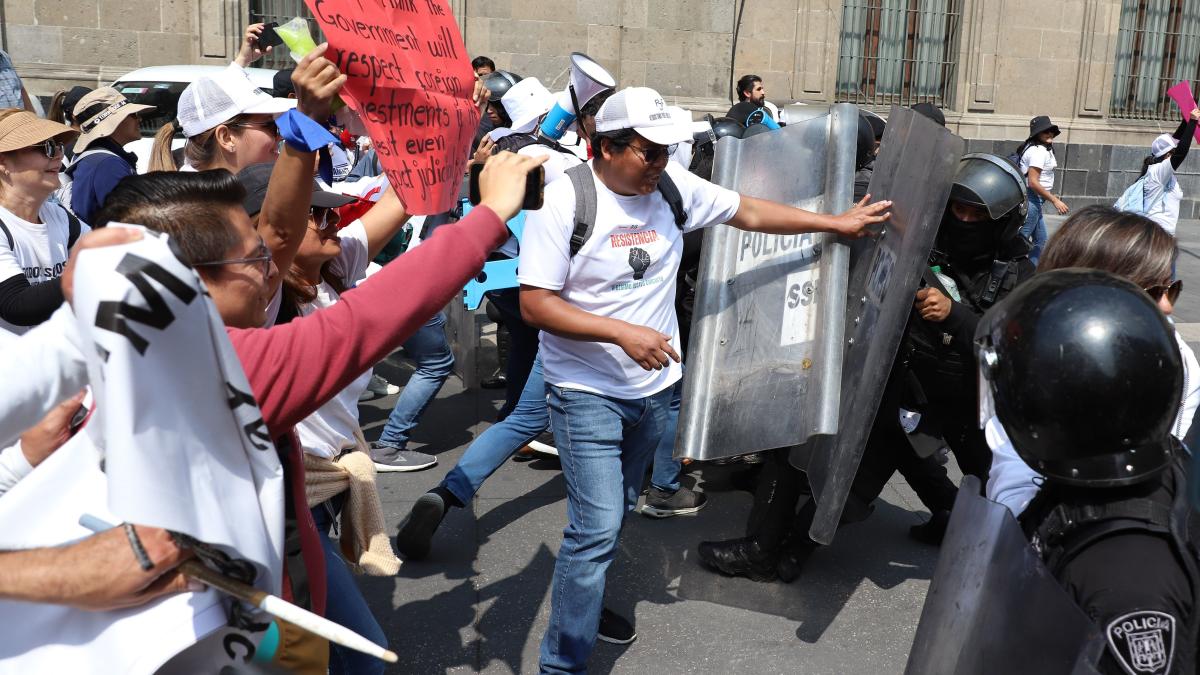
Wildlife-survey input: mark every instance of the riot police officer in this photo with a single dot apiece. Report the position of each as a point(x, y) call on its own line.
point(980, 253)
point(1084, 373)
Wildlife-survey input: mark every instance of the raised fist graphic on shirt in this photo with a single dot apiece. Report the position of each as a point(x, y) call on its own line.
point(639, 260)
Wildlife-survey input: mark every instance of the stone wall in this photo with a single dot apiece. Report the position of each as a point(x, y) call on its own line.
point(56, 44)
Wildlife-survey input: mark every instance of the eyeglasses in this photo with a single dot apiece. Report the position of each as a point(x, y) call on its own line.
point(655, 153)
point(264, 261)
point(50, 148)
point(269, 126)
point(1171, 290)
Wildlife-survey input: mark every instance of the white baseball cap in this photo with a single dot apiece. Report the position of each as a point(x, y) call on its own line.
point(1162, 144)
point(645, 112)
point(211, 101)
point(525, 102)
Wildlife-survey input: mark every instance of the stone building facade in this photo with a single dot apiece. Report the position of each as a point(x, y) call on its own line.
point(1097, 67)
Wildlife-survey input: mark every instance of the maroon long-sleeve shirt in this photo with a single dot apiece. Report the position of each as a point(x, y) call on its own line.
point(297, 367)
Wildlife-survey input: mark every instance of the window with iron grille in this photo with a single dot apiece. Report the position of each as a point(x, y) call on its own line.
point(281, 12)
point(1158, 45)
point(898, 51)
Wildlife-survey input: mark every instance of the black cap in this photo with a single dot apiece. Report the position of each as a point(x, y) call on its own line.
point(1042, 123)
point(281, 83)
point(255, 178)
point(931, 111)
point(71, 99)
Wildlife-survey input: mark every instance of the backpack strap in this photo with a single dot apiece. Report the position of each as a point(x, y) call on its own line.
point(585, 205)
point(12, 246)
point(73, 229)
point(670, 192)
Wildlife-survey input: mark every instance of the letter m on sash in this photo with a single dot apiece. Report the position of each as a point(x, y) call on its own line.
point(117, 316)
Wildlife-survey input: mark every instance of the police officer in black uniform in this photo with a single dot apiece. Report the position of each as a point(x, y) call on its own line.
point(980, 250)
point(1085, 377)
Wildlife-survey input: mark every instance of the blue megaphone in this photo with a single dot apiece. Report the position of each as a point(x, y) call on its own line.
point(588, 78)
point(761, 116)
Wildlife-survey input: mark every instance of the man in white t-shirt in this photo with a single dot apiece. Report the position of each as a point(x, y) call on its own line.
point(609, 340)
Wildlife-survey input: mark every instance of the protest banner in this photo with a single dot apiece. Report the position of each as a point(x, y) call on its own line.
point(1182, 95)
point(409, 79)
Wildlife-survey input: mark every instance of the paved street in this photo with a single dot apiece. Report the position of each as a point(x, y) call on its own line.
point(480, 602)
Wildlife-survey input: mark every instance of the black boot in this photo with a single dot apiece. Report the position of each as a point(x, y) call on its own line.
point(932, 531)
point(739, 558)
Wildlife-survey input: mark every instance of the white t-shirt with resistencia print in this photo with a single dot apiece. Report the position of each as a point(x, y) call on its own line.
point(39, 251)
point(626, 270)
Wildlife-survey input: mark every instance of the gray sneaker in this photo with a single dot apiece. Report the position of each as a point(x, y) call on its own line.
point(663, 504)
point(389, 458)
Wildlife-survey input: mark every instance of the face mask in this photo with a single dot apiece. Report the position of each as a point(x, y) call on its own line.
point(966, 242)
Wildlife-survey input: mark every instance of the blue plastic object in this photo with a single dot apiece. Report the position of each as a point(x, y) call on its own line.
point(496, 275)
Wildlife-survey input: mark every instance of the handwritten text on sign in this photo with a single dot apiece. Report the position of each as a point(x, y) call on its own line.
point(409, 79)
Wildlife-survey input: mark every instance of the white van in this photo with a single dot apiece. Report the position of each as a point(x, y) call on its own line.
point(160, 86)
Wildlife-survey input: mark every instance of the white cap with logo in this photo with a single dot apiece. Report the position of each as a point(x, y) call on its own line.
point(211, 101)
point(643, 110)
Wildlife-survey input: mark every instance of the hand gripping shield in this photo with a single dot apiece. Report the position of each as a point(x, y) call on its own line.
point(993, 607)
point(764, 364)
point(915, 170)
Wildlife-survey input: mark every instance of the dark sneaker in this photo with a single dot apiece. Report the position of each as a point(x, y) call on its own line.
point(542, 446)
point(663, 504)
point(615, 629)
point(389, 458)
point(791, 563)
point(739, 558)
point(416, 532)
point(932, 531)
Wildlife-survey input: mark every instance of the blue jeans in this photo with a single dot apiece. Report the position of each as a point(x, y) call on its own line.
point(604, 444)
point(666, 470)
point(430, 350)
point(1034, 228)
point(344, 603)
point(492, 449)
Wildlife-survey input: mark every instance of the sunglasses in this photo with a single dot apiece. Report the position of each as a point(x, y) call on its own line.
point(269, 126)
point(50, 148)
point(1171, 290)
point(655, 153)
point(320, 216)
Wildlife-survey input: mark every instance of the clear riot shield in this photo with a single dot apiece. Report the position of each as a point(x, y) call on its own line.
point(765, 356)
point(915, 169)
point(993, 607)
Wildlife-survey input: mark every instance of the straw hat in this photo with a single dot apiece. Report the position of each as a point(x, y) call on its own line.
point(100, 112)
point(24, 129)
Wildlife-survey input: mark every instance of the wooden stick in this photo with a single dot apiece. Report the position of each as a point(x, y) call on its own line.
point(275, 606)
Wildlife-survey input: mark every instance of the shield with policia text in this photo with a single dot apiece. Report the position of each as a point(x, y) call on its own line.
point(764, 360)
point(914, 169)
point(993, 607)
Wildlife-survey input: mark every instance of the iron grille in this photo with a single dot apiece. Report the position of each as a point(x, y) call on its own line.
point(1158, 45)
point(281, 11)
point(898, 51)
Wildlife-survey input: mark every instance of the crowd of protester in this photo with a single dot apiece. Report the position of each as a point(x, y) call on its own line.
point(592, 377)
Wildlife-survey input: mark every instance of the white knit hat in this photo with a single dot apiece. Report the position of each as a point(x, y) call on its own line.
point(210, 101)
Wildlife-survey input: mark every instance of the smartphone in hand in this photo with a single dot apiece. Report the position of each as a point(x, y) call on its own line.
point(533, 187)
point(268, 37)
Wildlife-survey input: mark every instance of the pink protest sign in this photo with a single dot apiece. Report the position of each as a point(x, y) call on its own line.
point(1182, 95)
point(409, 79)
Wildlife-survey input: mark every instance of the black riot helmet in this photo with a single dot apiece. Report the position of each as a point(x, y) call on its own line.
point(498, 84)
point(878, 124)
point(717, 129)
point(1084, 373)
point(865, 150)
point(993, 184)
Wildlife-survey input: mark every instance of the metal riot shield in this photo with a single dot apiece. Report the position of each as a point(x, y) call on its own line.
point(915, 170)
point(993, 607)
point(764, 362)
